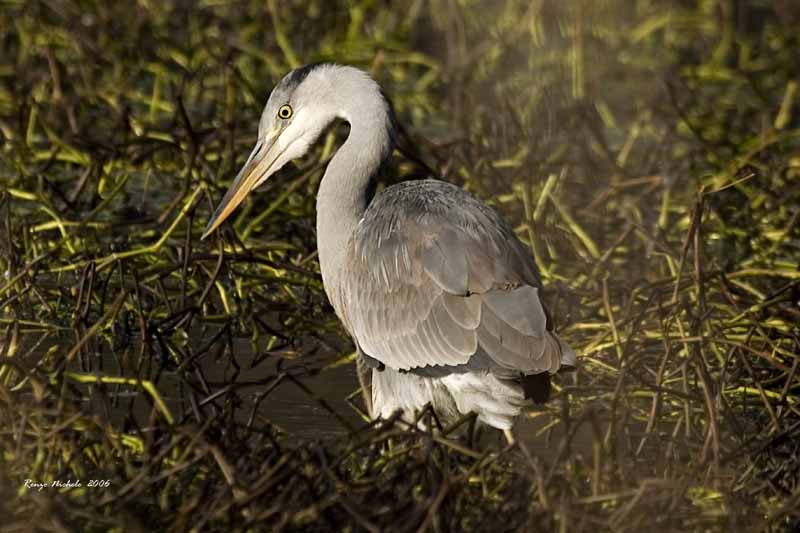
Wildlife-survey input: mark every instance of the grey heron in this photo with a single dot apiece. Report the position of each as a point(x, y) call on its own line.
point(439, 295)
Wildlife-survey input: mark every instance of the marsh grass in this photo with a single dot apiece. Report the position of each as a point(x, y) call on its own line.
point(647, 151)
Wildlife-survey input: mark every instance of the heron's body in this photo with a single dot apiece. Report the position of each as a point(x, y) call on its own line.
point(439, 295)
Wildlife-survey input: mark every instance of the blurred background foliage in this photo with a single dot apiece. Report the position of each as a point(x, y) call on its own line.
point(647, 150)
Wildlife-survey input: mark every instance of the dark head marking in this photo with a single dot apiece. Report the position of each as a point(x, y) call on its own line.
point(296, 77)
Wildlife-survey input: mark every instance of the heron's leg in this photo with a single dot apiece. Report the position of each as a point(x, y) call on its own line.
point(472, 431)
point(512, 441)
point(364, 374)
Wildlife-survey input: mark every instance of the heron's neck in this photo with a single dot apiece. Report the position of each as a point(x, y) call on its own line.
point(343, 192)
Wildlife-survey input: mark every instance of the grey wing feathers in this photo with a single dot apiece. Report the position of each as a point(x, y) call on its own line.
point(519, 308)
point(434, 277)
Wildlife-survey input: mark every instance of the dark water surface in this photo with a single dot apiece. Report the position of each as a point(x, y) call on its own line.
point(305, 397)
point(311, 404)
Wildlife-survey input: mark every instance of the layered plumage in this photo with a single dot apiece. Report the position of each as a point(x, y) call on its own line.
point(439, 295)
point(438, 287)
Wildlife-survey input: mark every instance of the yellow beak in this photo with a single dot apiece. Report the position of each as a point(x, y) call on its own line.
point(254, 172)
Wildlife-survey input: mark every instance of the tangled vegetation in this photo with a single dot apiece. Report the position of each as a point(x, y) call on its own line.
point(647, 150)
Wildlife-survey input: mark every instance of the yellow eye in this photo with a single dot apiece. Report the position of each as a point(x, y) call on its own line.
point(285, 112)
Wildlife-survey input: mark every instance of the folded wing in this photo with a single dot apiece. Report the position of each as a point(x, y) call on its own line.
point(445, 282)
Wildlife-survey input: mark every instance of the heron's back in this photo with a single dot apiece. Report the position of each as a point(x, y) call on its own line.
point(436, 286)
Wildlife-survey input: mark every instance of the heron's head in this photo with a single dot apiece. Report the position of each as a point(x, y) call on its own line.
point(299, 108)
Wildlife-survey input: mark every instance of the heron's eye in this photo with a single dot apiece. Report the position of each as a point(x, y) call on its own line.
point(285, 112)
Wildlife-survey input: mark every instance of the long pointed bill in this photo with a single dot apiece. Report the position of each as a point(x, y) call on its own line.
point(257, 169)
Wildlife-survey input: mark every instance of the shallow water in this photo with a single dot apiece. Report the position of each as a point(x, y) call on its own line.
point(320, 412)
point(260, 390)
